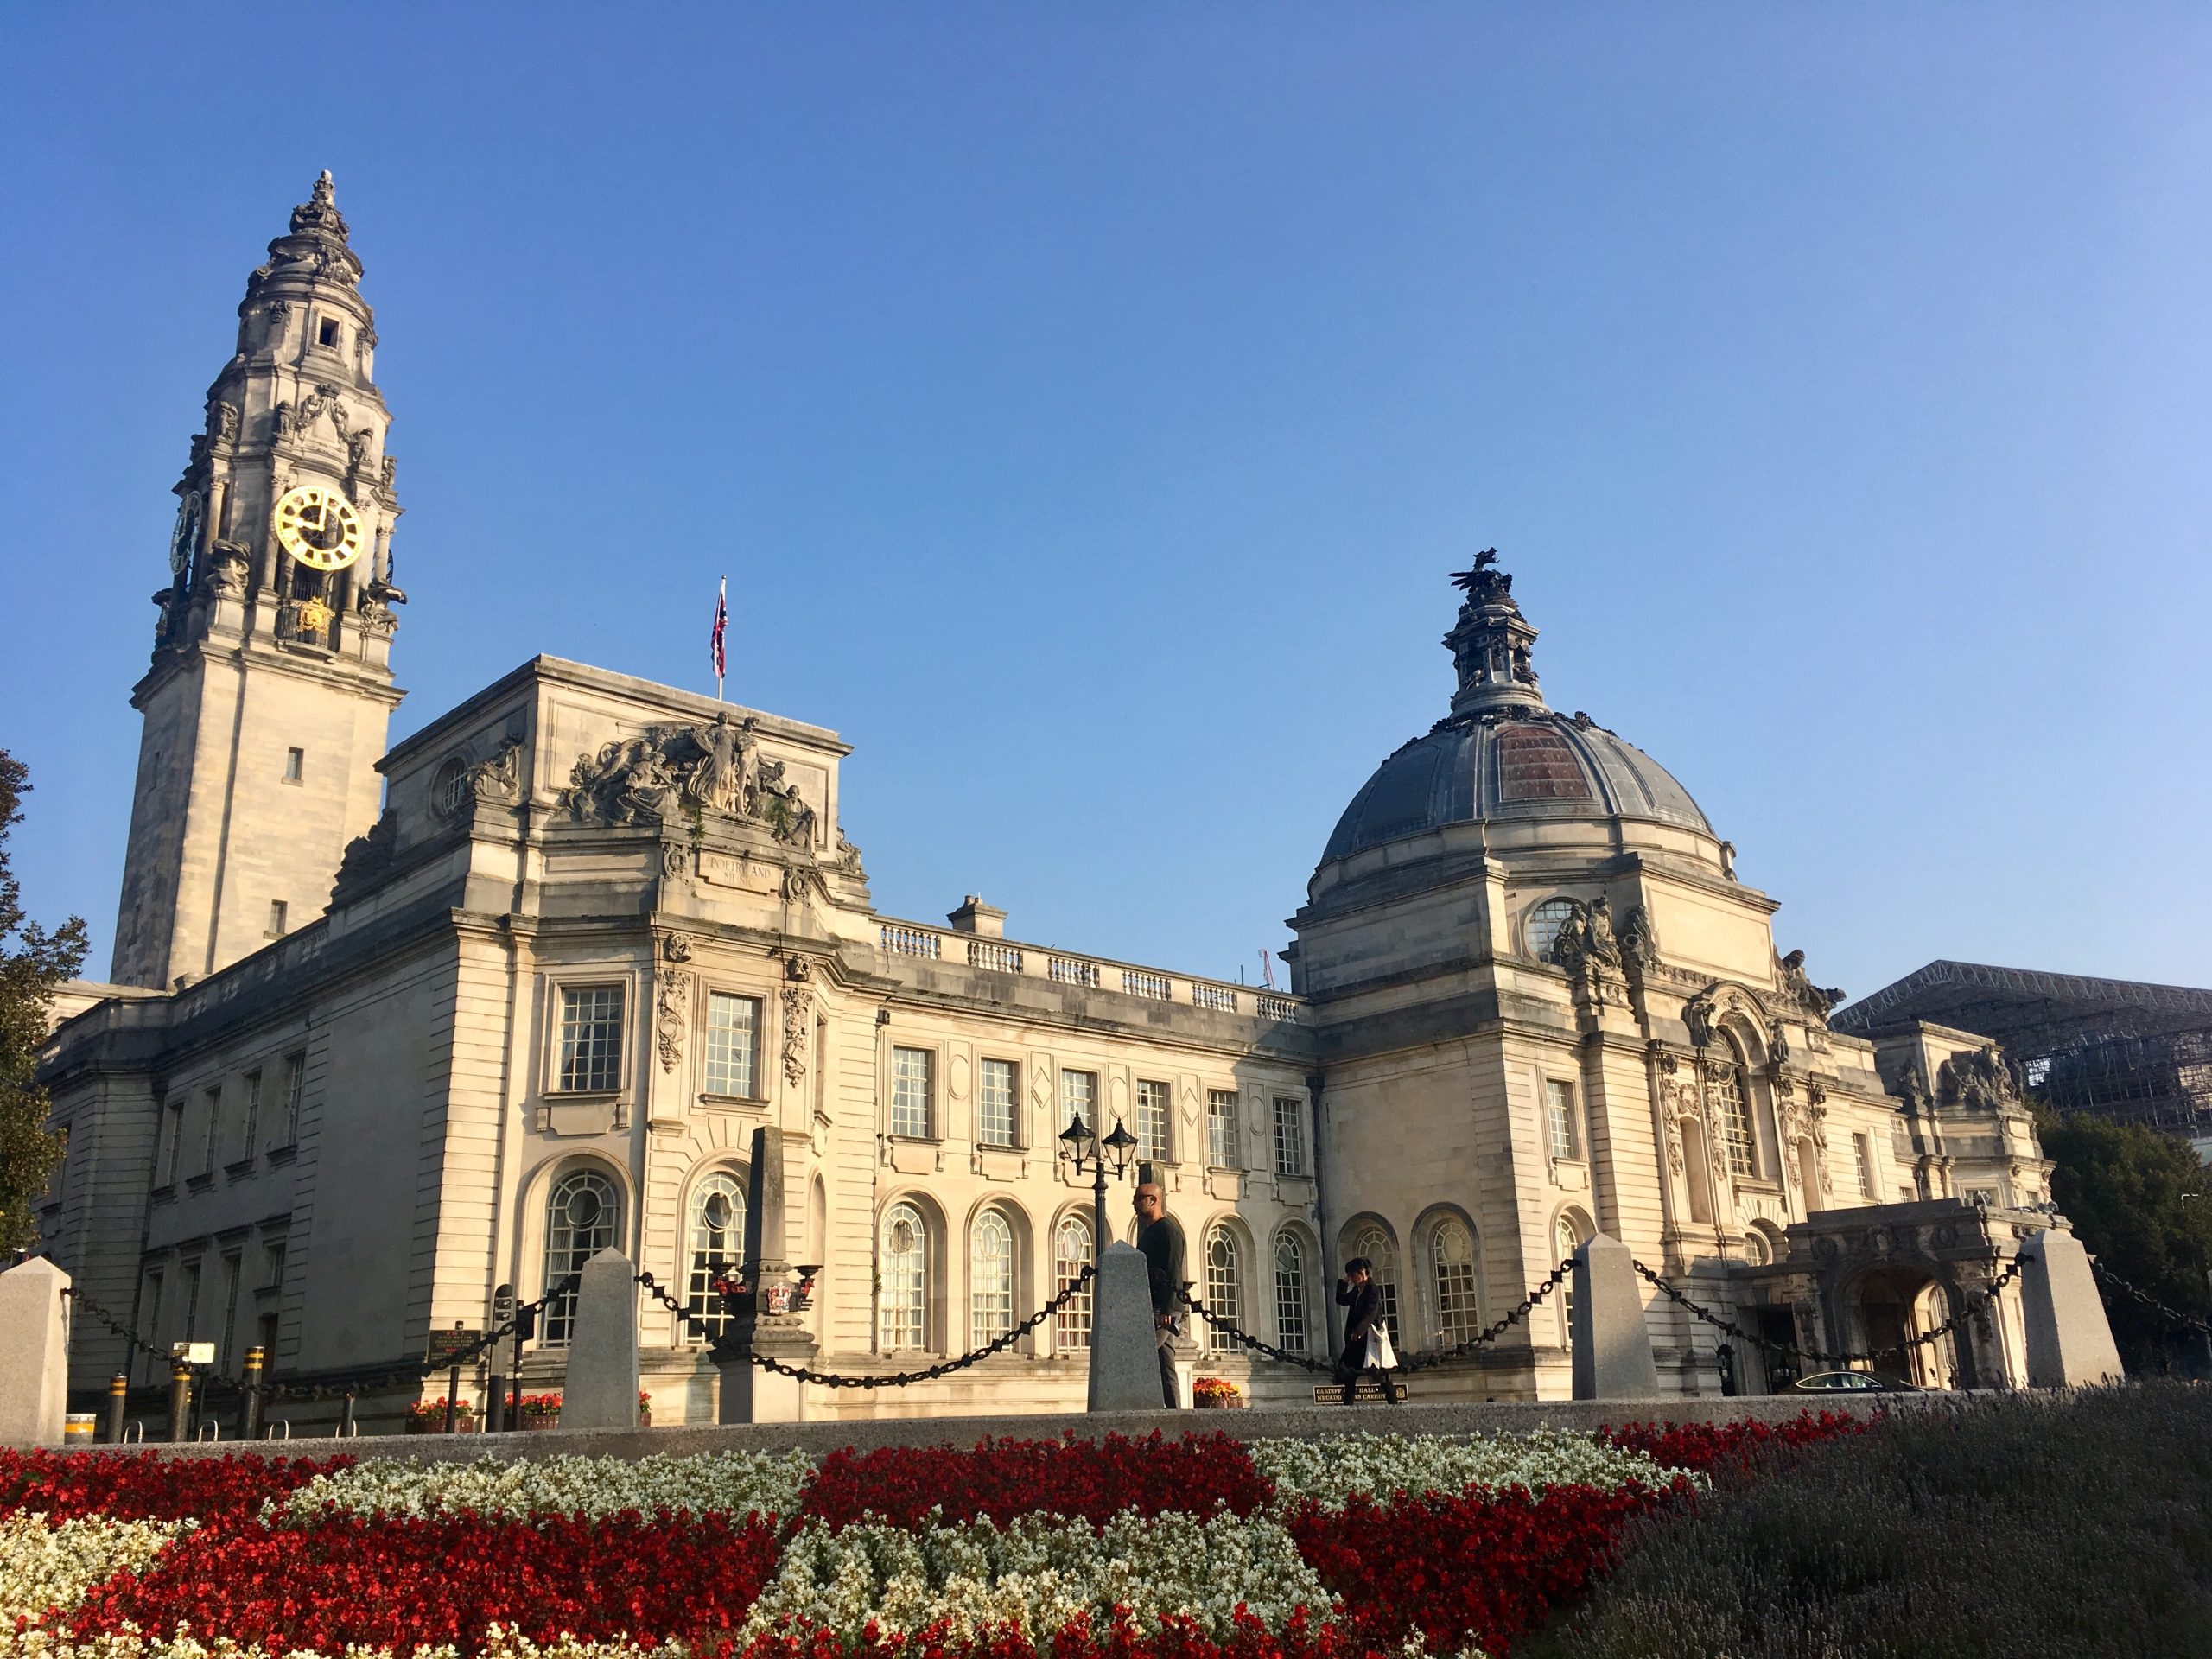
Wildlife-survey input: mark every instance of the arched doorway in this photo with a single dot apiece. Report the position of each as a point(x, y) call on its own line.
point(1890, 1306)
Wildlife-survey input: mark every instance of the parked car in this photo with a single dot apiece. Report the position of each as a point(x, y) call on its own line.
point(1860, 1381)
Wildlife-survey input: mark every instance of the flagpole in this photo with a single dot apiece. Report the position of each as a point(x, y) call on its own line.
point(721, 621)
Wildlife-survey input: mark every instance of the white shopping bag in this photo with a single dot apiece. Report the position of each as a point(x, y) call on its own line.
point(1381, 1356)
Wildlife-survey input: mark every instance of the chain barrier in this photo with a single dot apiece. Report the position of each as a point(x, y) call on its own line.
point(2187, 1321)
point(1976, 1300)
point(899, 1380)
point(1426, 1360)
point(92, 1306)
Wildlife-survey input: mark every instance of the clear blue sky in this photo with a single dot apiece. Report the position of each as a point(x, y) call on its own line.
point(1087, 403)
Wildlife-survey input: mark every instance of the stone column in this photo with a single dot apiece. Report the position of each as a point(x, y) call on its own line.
point(766, 1324)
point(1612, 1344)
point(34, 1354)
point(601, 1389)
point(2070, 1341)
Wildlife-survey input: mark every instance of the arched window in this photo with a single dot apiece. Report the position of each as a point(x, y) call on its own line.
point(1737, 1141)
point(582, 1218)
point(1224, 1285)
point(717, 1247)
point(1290, 1293)
point(1756, 1249)
point(903, 1315)
point(1566, 1239)
point(990, 1279)
point(1375, 1244)
point(450, 790)
point(1544, 924)
point(1452, 1273)
point(1072, 1251)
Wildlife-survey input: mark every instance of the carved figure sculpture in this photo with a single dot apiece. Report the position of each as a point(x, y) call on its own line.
point(1602, 946)
point(645, 794)
point(1639, 939)
point(1817, 1002)
point(1981, 1080)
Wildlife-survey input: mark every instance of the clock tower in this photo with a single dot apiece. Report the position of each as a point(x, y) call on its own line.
point(271, 689)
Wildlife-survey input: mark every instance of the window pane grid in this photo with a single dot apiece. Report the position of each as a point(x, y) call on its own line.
point(1071, 1253)
point(1290, 1294)
point(732, 1045)
point(990, 1280)
point(1152, 1121)
point(996, 1094)
point(580, 1222)
point(1559, 1118)
point(910, 1092)
point(1290, 1138)
point(905, 1267)
point(1736, 1122)
point(1079, 1096)
point(1374, 1245)
point(1451, 1263)
point(1221, 1128)
point(591, 1038)
point(717, 1246)
point(1224, 1286)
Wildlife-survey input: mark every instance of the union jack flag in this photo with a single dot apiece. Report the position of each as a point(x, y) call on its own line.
point(721, 622)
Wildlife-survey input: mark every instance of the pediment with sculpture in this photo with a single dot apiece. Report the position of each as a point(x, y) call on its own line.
point(672, 772)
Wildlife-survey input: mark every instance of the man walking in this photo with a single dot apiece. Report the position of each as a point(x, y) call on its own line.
point(1163, 1259)
point(1367, 1338)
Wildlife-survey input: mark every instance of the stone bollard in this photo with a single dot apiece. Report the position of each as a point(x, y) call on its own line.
point(2070, 1340)
point(34, 1354)
point(1124, 1342)
point(1612, 1344)
point(600, 1390)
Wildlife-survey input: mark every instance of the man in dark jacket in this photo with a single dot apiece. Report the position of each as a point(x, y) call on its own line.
point(1357, 1292)
point(1163, 1259)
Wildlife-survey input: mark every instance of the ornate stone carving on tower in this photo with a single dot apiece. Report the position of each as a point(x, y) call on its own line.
point(269, 691)
point(1490, 642)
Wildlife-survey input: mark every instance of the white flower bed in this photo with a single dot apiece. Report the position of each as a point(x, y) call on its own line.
point(736, 1482)
point(43, 1567)
point(499, 1644)
point(1334, 1468)
point(1039, 1572)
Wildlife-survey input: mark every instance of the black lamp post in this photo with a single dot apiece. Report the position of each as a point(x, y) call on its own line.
point(1118, 1145)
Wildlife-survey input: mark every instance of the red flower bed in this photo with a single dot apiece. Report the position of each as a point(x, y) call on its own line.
point(405, 1581)
point(149, 1486)
point(1090, 1480)
point(1480, 1566)
point(1705, 1446)
point(1175, 1638)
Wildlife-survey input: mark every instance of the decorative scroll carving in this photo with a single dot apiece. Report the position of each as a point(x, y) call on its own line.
point(672, 1002)
point(798, 1010)
point(226, 570)
point(1699, 1013)
point(1777, 1043)
point(222, 420)
point(1639, 939)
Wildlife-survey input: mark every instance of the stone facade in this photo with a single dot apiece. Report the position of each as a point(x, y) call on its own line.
point(586, 935)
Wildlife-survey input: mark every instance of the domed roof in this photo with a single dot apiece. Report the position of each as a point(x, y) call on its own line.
point(1502, 754)
point(1533, 765)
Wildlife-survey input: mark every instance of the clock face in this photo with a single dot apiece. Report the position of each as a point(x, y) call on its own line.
point(319, 527)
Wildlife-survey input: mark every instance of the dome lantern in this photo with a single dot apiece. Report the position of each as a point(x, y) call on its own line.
point(1489, 643)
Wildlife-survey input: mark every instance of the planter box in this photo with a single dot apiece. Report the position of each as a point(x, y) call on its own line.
point(541, 1420)
point(463, 1423)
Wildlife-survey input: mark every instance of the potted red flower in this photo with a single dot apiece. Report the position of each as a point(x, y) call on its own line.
point(541, 1411)
point(1215, 1394)
point(428, 1416)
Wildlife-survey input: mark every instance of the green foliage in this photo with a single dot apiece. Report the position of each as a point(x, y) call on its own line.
point(2032, 1527)
point(2127, 1190)
point(32, 963)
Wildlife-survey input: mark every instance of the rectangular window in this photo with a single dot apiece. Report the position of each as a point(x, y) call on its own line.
point(732, 1045)
point(1558, 1117)
point(1079, 1099)
point(252, 1125)
point(1154, 1110)
point(214, 1130)
point(591, 1038)
point(278, 912)
point(227, 1355)
point(296, 762)
point(1290, 1136)
point(165, 1152)
point(272, 1266)
point(997, 1089)
point(1221, 1127)
point(328, 334)
point(1865, 1149)
point(913, 1091)
point(149, 1310)
point(296, 1082)
point(191, 1300)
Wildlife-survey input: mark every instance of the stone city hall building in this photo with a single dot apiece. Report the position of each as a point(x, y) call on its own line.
point(391, 1028)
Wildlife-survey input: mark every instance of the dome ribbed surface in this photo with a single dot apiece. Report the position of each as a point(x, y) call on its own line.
point(1483, 769)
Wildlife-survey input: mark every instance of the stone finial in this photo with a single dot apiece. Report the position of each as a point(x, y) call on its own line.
point(319, 214)
point(1490, 641)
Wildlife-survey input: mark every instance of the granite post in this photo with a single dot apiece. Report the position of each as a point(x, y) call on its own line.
point(2070, 1340)
point(766, 1324)
point(34, 1354)
point(601, 1390)
point(1124, 1342)
point(1612, 1344)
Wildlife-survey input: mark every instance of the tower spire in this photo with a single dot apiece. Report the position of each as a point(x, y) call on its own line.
point(1489, 643)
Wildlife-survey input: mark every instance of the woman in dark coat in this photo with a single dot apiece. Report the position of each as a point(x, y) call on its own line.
point(1367, 1338)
